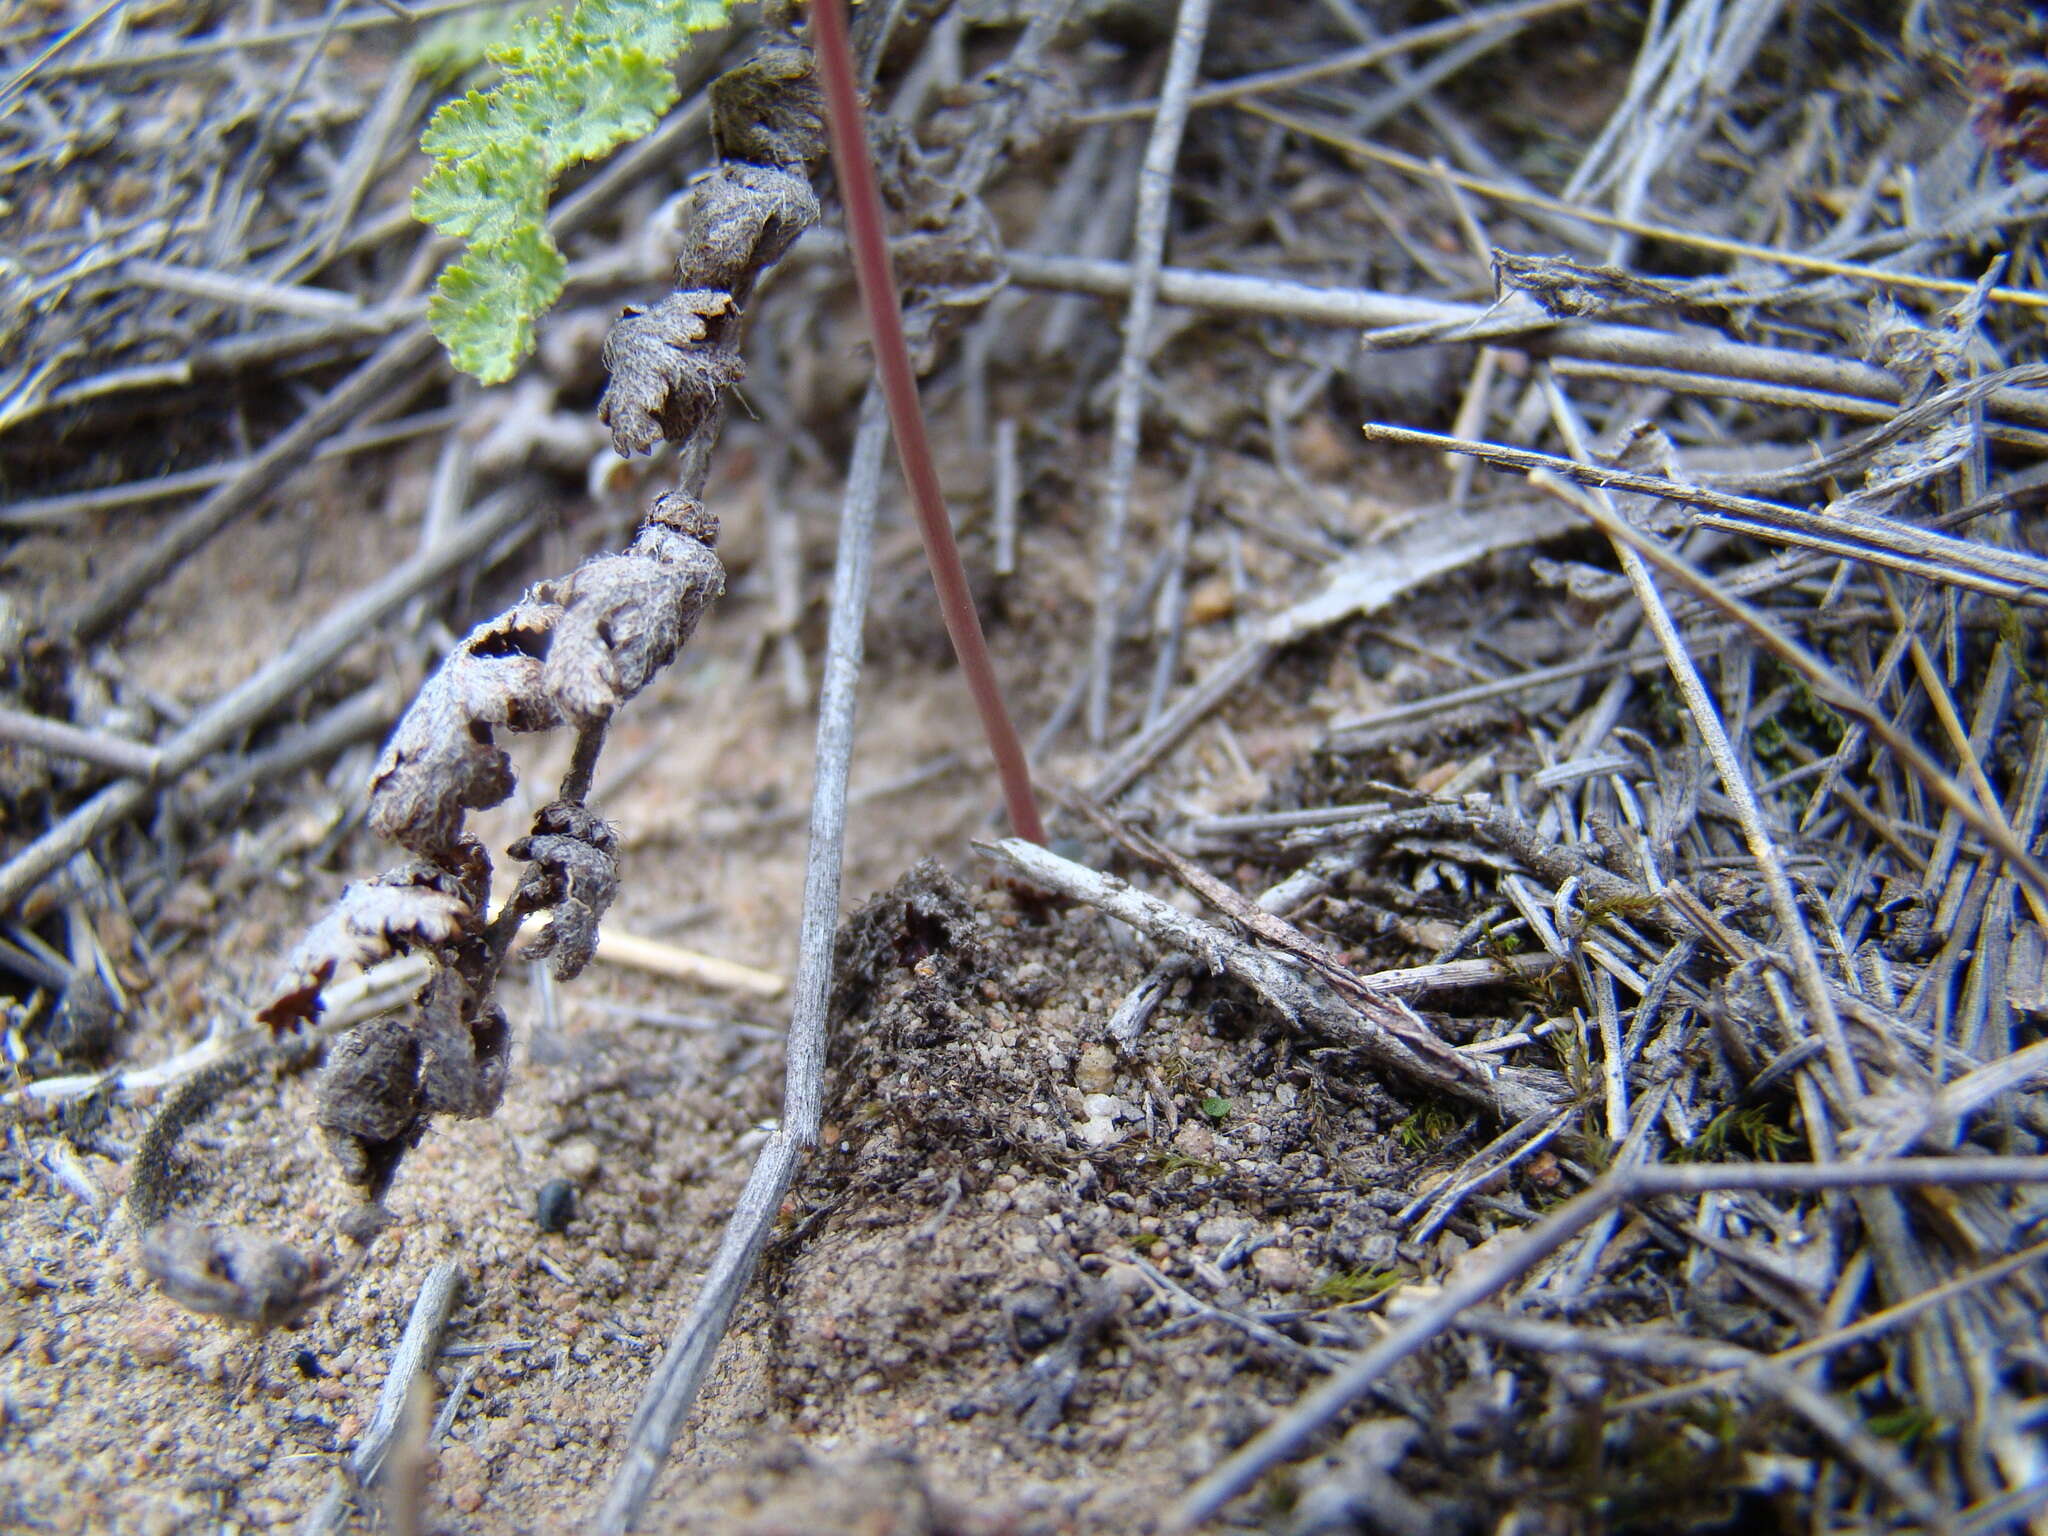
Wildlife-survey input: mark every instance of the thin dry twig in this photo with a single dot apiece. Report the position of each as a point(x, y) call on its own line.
point(867, 233)
point(1593, 340)
point(1735, 783)
point(1148, 248)
point(272, 685)
point(1382, 1029)
point(1292, 1434)
point(672, 1388)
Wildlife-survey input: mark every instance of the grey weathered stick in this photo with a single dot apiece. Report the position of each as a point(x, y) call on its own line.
point(414, 1356)
point(120, 753)
point(348, 1003)
point(1006, 494)
point(116, 597)
point(246, 291)
point(2011, 574)
point(1357, 585)
point(54, 511)
point(837, 699)
point(1366, 308)
point(248, 702)
point(1706, 718)
point(1821, 402)
point(1295, 991)
point(276, 37)
point(1839, 695)
point(672, 1388)
point(1148, 247)
point(1350, 61)
point(409, 349)
point(1291, 1435)
point(366, 713)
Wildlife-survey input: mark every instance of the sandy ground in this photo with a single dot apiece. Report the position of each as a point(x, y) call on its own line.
point(958, 1289)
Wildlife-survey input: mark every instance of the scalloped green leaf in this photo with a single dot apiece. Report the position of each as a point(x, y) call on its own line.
point(535, 44)
point(612, 99)
point(576, 84)
point(484, 307)
point(483, 197)
point(463, 125)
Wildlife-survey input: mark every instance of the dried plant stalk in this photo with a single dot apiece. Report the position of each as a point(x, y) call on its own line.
point(571, 652)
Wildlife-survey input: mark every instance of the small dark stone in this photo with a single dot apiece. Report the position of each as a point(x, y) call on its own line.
point(309, 1364)
point(555, 1207)
point(87, 1020)
point(361, 1224)
point(1376, 659)
point(963, 1410)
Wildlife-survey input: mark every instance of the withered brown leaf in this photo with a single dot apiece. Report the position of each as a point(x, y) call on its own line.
point(572, 868)
point(665, 380)
point(623, 619)
point(442, 759)
point(369, 921)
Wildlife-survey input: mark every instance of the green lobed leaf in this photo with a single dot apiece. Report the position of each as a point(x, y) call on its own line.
point(485, 305)
point(577, 84)
point(610, 99)
point(463, 125)
point(485, 196)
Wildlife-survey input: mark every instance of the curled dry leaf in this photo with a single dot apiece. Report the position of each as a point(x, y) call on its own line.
point(465, 1049)
point(572, 868)
point(770, 109)
point(232, 1272)
point(668, 364)
point(442, 759)
point(448, 1057)
point(624, 617)
point(369, 1094)
point(742, 218)
point(664, 378)
point(371, 920)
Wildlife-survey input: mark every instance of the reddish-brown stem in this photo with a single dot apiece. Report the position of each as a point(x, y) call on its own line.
point(877, 281)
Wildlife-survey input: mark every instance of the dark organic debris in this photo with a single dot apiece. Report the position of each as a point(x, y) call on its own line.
point(233, 1272)
point(555, 1205)
point(2011, 107)
point(572, 870)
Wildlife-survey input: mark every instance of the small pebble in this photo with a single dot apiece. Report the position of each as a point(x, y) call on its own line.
point(1219, 1232)
point(555, 1207)
point(1095, 1072)
point(153, 1342)
point(1280, 1269)
point(578, 1159)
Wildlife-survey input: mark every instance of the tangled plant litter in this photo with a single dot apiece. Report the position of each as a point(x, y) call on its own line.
point(569, 653)
point(1595, 904)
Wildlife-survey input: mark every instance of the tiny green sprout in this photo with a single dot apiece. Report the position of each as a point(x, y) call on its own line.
point(575, 84)
point(1348, 1286)
point(1907, 1426)
point(1425, 1126)
point(1215, 1107)
point(1175, 1162)
point(1755, 1127)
